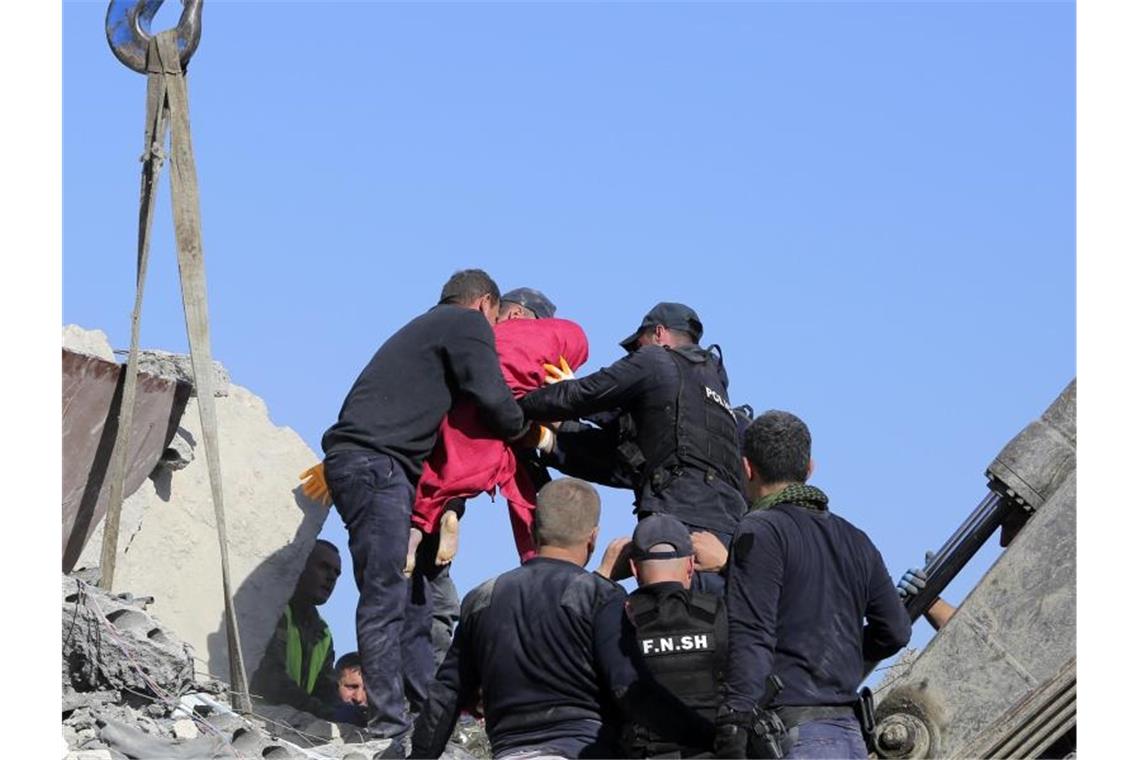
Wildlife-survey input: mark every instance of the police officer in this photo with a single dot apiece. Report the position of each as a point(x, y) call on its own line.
point(678, 433)
point(681, 635)
point(801, 581)
point(541, 646)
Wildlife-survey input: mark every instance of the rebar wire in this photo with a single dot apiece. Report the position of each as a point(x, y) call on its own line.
point(160, 694)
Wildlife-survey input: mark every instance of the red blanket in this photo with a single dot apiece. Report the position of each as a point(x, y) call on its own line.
point(467, 460)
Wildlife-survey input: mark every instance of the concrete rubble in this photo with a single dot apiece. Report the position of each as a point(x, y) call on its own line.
point(168, 538)
point(135, 687)
point(130, 691)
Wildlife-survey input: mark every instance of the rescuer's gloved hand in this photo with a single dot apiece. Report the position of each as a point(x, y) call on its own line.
point(558, 374)
point(314, 485)
point(914, 580)
point(732, 731)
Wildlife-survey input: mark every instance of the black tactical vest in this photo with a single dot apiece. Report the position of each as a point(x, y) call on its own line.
point(682, 636)
point(696, 429)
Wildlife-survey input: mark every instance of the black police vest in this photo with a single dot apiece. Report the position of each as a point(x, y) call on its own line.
point(696, 429)
point(682, 637)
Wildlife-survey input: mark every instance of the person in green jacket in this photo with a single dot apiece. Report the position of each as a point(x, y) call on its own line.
point(297, 667)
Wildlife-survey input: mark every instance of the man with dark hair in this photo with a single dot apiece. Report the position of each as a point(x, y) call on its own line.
point(677, 434)
point(681, 635)
point(541, 645)
point(801, 580)
point(297, 667)
point(350, 690)
point(374, 455)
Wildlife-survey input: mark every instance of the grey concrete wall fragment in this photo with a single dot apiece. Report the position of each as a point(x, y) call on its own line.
point(168, 544)
point(179, 367)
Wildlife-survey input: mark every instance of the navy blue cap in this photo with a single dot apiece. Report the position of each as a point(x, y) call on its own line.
point(660, 529)
point(531, 299)
point(675, 316)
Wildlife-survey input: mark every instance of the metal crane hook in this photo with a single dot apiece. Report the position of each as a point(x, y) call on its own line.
point(128, 30)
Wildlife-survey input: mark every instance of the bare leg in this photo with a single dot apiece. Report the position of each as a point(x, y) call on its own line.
point(415, 535)
point(448, 537)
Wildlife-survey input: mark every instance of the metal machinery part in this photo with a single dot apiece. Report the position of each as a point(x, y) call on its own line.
point(128, 30)
point(999, 679)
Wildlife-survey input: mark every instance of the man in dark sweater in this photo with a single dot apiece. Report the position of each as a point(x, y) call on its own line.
point(373, 458)
point(801, 581)
point(541, 646)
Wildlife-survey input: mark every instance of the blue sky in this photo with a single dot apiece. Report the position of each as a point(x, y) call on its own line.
point(871, 206)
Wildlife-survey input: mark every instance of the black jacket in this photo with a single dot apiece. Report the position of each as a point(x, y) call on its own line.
point(544, 647)
point(400, 399)
point(800, 584)
point(647, 385)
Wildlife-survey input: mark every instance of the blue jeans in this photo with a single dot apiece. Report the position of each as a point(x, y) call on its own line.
point(827, 738)
point(393, 616)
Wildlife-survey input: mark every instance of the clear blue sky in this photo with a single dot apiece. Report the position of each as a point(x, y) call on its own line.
point(871, 206)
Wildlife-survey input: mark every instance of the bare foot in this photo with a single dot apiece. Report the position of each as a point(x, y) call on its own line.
point(448, 538)
point(415, 535)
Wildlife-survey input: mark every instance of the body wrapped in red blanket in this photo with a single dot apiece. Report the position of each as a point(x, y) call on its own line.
point(467, 460)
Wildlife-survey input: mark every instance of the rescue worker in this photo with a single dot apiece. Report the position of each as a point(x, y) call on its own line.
point(466, 461)
point(801, 580)
point(297, 667)
point(681, 634)
point(374, 454)
point(517, 304)
point(940, 611)
point(540, 645)
point(350, 690)
point(678, 433)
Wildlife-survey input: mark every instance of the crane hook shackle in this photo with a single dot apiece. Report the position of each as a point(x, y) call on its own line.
point(128, 30)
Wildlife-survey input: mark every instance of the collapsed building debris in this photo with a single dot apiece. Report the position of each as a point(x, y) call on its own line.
point(134, 687)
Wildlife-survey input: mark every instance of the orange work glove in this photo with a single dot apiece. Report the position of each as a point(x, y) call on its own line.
point(314, 485)
point(558, 374)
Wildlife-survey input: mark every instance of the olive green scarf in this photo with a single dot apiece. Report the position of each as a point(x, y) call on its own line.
point(799, 494)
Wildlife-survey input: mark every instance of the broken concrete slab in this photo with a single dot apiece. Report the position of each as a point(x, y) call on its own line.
point(168, 539)
point(178, 367)
point(112, 645)
point(90, 342)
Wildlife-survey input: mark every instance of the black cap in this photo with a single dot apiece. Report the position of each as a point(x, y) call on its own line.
point(675, 316)
point(531, 299)
point(660, 529)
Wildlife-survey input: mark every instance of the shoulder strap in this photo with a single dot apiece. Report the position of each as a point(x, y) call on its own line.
point(704, 605)
point(642, 609)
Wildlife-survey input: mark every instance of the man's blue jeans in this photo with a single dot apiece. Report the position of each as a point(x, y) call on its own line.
point(827, 738)
point(393, 617)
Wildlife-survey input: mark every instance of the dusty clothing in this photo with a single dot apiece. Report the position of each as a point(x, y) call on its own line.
point(397, 403)
point(272, 680)
point(467, 460)
point(790, 567)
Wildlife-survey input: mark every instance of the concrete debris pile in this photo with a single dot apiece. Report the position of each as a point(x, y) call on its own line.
point(130, 691)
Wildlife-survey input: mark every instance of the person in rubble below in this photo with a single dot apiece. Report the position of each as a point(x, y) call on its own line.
point(350, 690)
point(297, 668)
point(467, 460)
